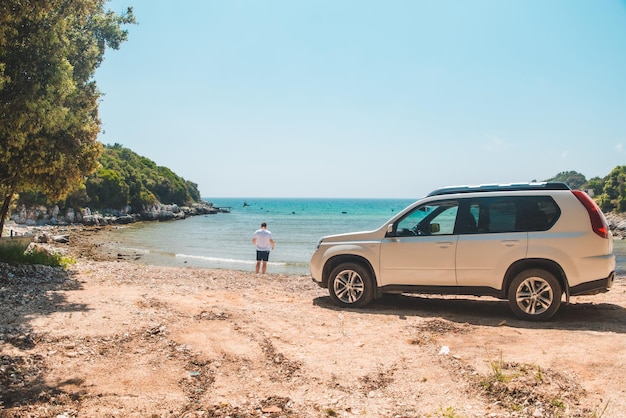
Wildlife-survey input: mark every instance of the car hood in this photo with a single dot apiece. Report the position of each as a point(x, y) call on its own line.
point(355, 236)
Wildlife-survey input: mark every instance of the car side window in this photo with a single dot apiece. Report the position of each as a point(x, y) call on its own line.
point(502, 215)
point(511, 214)
point(432, 219)
point(537, 213)
point(489, 215)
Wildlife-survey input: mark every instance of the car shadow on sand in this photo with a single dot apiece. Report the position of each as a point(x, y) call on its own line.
point(605, 317)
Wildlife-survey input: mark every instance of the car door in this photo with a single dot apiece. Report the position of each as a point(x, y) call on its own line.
point(483, 255)
point(420, 249)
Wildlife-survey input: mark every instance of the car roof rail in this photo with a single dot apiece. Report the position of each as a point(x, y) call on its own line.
point(512, 187)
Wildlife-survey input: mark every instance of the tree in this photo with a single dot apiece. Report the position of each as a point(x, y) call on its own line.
point(573, 179)
point(139, 182)
point(108, 190)
point(596, 184)
point(613, 195)
point(49, 122)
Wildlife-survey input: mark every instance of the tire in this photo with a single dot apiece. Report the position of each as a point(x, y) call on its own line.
point(535, 295)
point(351, 285)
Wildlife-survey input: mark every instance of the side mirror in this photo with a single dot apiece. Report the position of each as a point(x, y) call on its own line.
point(435, 228)
point(389, 229)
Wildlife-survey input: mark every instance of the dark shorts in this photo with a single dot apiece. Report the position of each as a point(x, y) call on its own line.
point(262, 255)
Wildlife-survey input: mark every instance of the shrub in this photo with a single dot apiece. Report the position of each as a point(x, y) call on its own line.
point(13, 254)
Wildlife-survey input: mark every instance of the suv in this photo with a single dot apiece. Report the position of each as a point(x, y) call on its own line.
point(529, 243)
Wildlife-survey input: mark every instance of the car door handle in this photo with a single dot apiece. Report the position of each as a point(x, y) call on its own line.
point(444, 244)
point(510, 242)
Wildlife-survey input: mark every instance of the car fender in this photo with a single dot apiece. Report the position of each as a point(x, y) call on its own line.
point(366, 250)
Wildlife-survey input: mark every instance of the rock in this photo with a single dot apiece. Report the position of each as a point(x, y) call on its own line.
point(41, 239)
point(40, 215)
point(70, 215)
point(126, 219)
point(271, 410)
point(61, 239)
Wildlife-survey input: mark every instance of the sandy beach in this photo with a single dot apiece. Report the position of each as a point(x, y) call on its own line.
point(112, 337)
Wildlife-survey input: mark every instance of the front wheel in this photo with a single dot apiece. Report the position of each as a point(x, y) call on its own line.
point(535, 295)
point(351, 285)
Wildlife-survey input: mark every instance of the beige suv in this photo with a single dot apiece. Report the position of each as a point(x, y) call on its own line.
point(529, 243)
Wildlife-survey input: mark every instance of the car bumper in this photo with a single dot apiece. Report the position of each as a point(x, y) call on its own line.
point(315, 267)
point(594, 287)
point(320, 284)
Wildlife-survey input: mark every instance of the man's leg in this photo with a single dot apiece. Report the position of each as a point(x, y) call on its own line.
point(258, 266)
point(264, 266)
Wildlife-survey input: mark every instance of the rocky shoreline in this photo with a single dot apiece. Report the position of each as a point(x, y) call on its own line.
point(43, 216)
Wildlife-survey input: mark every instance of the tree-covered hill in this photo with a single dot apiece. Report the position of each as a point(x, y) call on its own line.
point(124, 181)
point(609, 192)
point(128, 179)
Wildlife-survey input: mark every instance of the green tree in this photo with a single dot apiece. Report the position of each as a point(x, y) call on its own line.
point(613, 195)
point(192, 190)
point(144, 182)
point(596, 184)
point(108, 190)
point(49, 51)
point(573, 179)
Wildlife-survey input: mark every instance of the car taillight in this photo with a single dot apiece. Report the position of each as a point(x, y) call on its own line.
point(598, 223)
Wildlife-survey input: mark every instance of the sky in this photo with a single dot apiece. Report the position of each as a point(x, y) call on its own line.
point(368, 99)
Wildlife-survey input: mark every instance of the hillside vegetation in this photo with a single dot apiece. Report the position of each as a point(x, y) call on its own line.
point(609, 192)
point(125, 179)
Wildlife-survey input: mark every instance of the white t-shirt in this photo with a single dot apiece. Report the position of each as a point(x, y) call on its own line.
point(263, 237)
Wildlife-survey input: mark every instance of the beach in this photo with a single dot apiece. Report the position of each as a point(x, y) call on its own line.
point(114, 337)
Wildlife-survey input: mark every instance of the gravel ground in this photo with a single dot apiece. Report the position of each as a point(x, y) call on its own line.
point(112, 337)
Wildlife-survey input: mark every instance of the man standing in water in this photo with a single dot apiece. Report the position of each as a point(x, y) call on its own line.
point(264, 243)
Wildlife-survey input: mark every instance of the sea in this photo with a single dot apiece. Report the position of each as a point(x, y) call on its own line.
point(224, 240)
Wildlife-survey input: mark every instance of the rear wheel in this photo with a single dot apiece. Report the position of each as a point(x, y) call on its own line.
point(535, 295)
point(351, 285)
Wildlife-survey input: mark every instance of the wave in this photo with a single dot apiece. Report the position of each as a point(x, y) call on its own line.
point(135, 250)
point(226, 260)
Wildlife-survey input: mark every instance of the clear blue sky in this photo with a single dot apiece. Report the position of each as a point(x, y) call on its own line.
point(376, 99)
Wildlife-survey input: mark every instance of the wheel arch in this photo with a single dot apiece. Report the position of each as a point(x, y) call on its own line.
point(333, 262)
point(532, 263)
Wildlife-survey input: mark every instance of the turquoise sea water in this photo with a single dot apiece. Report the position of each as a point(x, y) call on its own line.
point(224, 240)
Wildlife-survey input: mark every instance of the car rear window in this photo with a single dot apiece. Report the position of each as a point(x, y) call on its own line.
point(513, 213)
